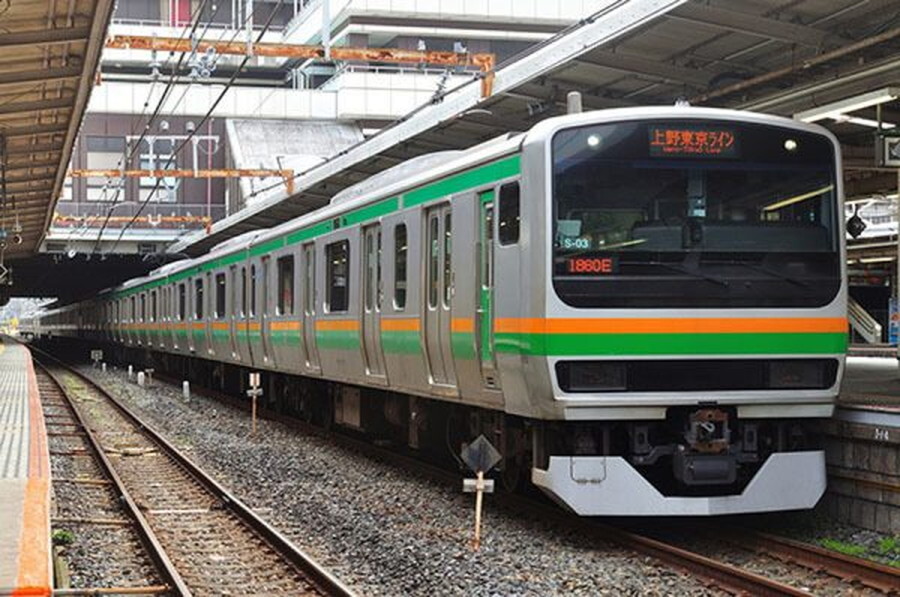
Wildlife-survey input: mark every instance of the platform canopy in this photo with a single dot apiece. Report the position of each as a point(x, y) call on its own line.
point(49, 53)
point(775, 56)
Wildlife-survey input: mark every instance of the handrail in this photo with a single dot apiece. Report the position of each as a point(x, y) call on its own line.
point(864, 324)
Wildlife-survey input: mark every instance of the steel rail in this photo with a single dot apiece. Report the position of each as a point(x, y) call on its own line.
point(725, 576)
point(154, 548)
point(871, 574)
point(318, 575)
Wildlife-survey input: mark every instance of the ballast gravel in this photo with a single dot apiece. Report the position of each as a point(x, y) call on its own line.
point(380, 529)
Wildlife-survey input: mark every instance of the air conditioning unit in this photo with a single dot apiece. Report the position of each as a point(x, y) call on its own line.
point(887, 150)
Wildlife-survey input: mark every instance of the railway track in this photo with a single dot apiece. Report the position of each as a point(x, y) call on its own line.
point(203, 539)
point(854, 573)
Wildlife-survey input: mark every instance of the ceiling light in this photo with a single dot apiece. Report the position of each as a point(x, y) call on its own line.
point(837, 109)
point(876, 259)
point(863, 121)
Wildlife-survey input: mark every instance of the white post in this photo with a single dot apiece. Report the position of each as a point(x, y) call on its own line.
point(140, 378)
point(130, 372)
point(103, 367)
point(326, 28)
point(186, 390)
point(248, 15)
point(479, 496)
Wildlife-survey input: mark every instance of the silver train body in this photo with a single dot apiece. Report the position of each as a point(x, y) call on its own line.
point(644, 307)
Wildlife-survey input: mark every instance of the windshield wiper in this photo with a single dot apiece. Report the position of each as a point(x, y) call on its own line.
point(774, 274)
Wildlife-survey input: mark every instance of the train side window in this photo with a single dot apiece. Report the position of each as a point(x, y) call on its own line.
point(243, 291)
point(508, 232)
point(401, 253)
point(143, 306)
point(198, 298)
point(337, 273)
point(264, 285)
point(252, 290)
point(133, 312)
point(220, 296)
point(232, 271)
point(182, 301)
point(153, 313)
point(309, 252)
point(286, 285)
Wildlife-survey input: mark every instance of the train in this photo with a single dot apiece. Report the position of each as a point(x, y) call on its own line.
point(643, 309)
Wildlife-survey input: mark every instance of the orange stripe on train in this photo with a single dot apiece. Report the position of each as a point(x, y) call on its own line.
point(712, 325)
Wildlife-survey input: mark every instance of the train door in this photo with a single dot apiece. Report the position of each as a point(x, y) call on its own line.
point(372, 296)
point(438, 291)
point(264, 312)
point(484, 319)
point(310, 353)
point(242, 316)
point(232, 307)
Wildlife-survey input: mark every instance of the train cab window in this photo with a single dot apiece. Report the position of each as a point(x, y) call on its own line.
point(337, 274)
point(220, 296)
point(182, 302)
point(252, 290)
point(286, 285)
point(401, 252)
point(198, 298)
point(508, 222)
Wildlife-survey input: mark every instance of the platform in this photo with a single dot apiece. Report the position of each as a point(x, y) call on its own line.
point(25, 567)
point(871, 381)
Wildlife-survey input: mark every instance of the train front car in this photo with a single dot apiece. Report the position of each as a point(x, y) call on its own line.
point(693, 324)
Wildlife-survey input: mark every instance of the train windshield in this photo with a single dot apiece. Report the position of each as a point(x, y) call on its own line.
point(694, 214)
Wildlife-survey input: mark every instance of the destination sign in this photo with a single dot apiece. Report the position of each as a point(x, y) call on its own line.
point(594, 266)
point(692, 141)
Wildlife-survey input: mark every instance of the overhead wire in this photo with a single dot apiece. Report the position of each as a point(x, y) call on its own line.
point(126, 159)
point(198, 126)
point(161, 104)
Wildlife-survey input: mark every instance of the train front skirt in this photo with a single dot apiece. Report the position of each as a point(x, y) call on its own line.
point(610, 486)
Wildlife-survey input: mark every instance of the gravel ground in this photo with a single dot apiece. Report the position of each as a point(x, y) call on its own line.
point(383, 531)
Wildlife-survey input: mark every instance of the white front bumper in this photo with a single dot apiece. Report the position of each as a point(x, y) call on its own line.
point(610, 486)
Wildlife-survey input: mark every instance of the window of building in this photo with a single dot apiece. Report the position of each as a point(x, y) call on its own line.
point(401, 252)
point(508, 232)
point(337, 274)
point(198, 298)
point(104, 153)
point(220, 296)
point(286, 285)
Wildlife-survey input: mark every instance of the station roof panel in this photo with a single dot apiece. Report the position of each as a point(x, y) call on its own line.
point(49, 52)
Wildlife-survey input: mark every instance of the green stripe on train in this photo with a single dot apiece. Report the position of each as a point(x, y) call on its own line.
point(487, 174)
point(670, 344)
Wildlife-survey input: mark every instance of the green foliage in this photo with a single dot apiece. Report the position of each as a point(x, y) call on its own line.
point(889, 546)
point(62, 537)
point(850, 549)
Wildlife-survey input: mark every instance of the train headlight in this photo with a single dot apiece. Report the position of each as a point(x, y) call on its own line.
point(797, 374)
point(591, 376)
